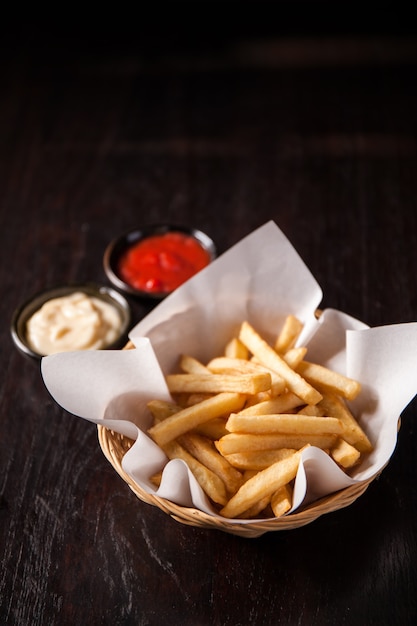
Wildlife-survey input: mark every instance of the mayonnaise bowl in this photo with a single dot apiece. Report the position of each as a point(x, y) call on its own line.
point(71, 317)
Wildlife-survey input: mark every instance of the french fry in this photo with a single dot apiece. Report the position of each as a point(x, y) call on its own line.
point(328, 380)
point(223, 365)
point(283, 423)
point(204, 451)
point(256, 508)
point(280, 404)
point(193, 416)
point(218, 383)
point(256, 398)
point(281, 500)
point(194, 398)
point(289, 334)
point(311, 409)
point(161, 409)
point(190, 365)
point(344, 454)
point(213, 486)
point(236, 350)
point(213, 429)
point(257, 459)
point(352, 432)
point(269, 357)
point(294, 357)
point(244, 442)
point(278, 384)
point(262, 485)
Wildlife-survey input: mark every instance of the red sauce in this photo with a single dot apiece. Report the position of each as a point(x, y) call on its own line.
point(161, 263)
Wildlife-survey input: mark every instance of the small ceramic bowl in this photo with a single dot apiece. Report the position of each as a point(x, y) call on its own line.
point(118, 247)
point(28, 308)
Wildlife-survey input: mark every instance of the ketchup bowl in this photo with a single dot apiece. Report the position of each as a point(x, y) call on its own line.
point(95, 308)
point(151, 262)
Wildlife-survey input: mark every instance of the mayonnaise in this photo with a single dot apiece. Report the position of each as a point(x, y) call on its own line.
point(74, 322)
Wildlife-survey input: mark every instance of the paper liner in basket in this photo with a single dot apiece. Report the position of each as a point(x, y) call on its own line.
point(261, 279)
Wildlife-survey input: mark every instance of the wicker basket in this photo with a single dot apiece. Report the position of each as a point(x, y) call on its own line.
point(114, 447)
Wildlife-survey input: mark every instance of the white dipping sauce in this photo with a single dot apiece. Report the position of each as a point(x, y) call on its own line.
point(74, 322)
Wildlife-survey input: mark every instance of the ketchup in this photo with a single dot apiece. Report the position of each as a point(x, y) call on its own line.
point(161, 263)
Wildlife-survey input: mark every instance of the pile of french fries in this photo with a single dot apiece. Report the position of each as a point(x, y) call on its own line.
point(242, 420)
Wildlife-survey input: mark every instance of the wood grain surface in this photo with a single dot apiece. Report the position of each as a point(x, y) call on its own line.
point(101, 133)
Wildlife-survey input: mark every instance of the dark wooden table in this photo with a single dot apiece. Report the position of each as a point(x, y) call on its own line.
point(101, 133)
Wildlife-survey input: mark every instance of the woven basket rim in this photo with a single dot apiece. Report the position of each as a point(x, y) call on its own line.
point(115, 445)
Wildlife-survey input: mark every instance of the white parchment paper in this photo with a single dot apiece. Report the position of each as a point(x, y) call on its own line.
point(261, 279)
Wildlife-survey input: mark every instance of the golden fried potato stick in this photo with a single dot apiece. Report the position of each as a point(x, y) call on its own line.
point(352, 432)
point(188, 399)
point(244, 442)
point(281, 500)
point(257, 459)
point(269, 357)
point(208, 480)
point(284, 424)
point(344, 454)
point(191, 417)
point(213, 429)
point(311, 409)
point(279, 404)
point(190, 365)
point(218, 383)
point(289, 334)
point(204, 451)
point(262, 485)
point(256, 398)
point(256, 509)
point(224, 365)
point(161, 409)
point(329, 381)
point(236, 350)
point(295, 356)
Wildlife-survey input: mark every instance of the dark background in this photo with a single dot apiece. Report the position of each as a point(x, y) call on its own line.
point(221, 116)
